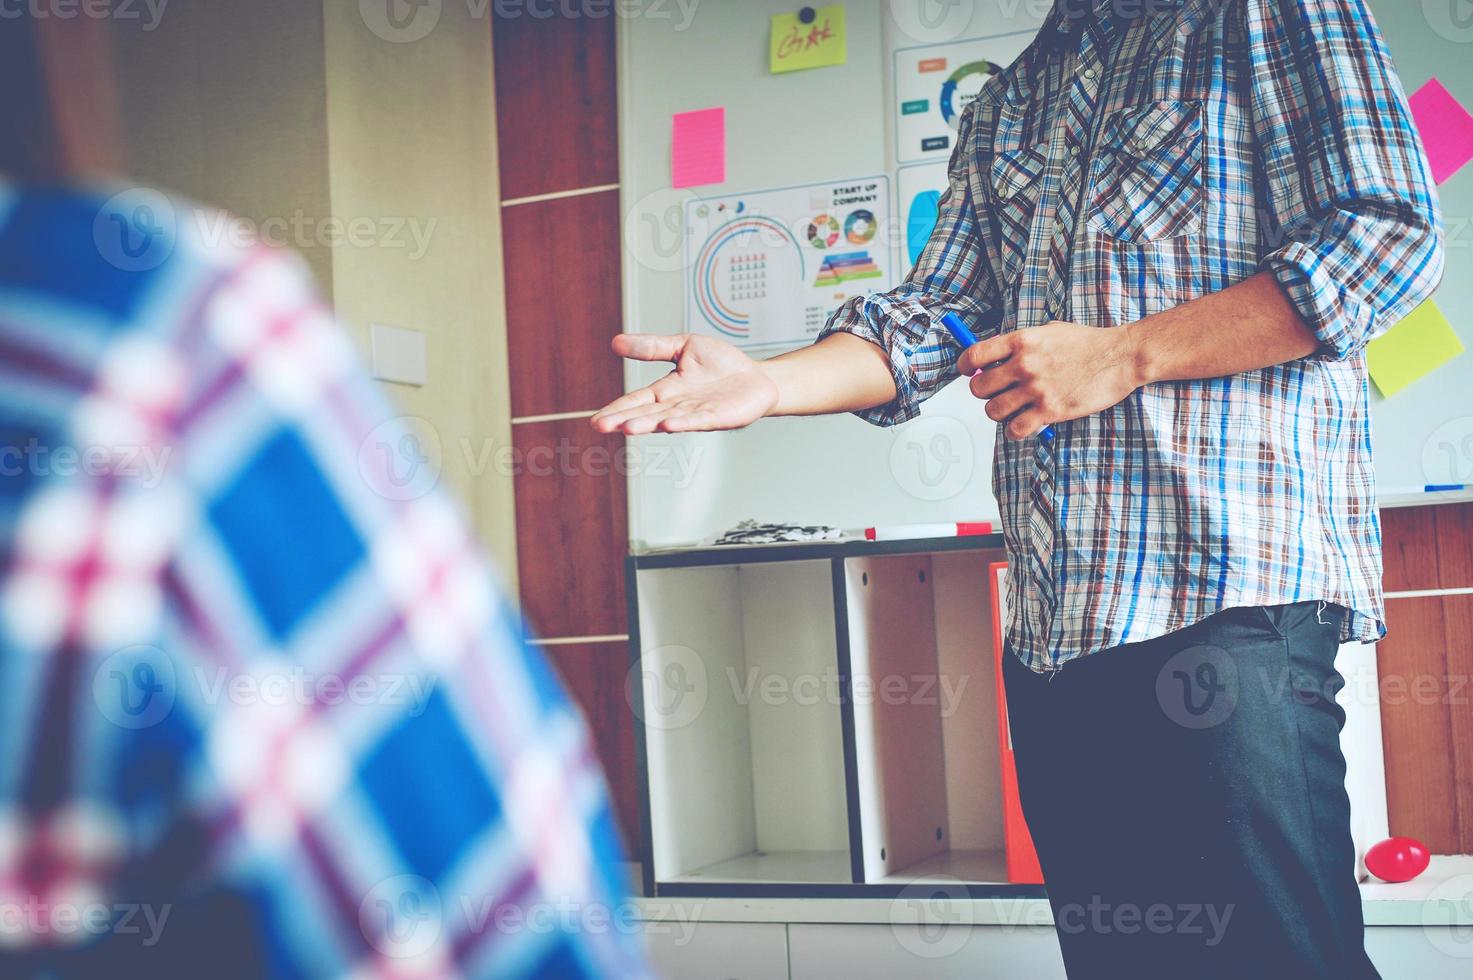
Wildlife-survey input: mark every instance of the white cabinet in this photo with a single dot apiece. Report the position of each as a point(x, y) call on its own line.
point(924, 952)
point(718, 950)
point(819, 719)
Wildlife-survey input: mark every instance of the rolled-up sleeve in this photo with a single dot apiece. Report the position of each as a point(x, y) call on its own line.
point(951, 274)
point(1351, 216)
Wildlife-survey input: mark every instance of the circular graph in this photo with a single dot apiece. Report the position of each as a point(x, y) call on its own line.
point(738, 265)
point(962, 87)
point(859, 227)
point(823, 231)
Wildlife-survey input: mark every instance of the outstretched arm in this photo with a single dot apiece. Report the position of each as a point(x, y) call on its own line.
point(880, 355)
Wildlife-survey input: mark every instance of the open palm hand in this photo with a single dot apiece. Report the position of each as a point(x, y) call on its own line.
point(714, 386)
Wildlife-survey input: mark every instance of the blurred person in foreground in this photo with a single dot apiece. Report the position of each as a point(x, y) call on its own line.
point(264, 710)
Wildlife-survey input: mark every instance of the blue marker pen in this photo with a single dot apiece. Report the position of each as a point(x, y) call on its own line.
point(964, 337)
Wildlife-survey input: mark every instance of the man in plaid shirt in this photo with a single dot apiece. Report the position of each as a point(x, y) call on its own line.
point(1175, 224)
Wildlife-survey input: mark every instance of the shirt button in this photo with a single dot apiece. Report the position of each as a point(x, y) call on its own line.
point(1089, 74)
point(1074, 151)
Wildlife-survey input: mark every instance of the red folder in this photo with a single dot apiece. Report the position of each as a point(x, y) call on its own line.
point(1022, 859)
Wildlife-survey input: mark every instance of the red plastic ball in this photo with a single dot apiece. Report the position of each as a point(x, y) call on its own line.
point(1397, 859)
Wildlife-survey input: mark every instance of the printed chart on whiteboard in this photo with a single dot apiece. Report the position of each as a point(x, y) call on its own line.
point(919, 189)
point(766, 268)
point(934, 83)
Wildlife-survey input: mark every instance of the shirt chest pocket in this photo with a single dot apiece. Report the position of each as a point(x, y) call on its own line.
point(1017, 178)
point(1146, 182)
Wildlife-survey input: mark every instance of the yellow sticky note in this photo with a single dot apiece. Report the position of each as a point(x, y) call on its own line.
point(1411, 349)
point(817, 44)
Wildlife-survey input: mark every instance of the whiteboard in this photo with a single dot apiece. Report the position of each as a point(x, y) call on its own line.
point(1425, 433)
point(835, 123)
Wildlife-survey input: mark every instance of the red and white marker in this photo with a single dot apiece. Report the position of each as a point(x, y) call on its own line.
point(905, 532)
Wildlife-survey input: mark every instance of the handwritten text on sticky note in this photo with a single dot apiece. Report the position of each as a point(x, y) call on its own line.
point(820, 42)
point(698, 148)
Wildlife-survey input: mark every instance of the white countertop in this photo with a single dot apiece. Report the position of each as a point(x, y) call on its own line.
point(1441, 895)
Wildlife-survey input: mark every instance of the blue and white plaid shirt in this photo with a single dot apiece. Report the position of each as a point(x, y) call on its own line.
point(263, 712)
point(1134, 158)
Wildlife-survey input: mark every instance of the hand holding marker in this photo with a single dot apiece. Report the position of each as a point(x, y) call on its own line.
point(965, 339)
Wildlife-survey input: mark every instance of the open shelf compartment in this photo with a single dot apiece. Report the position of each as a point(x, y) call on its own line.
point(925, 717)
point(743, 735)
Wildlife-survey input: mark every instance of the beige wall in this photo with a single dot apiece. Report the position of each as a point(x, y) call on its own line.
point(285, 108)
point(226, 103)
point(412, 136)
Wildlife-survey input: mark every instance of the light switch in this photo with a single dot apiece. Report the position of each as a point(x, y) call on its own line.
point(398, 354)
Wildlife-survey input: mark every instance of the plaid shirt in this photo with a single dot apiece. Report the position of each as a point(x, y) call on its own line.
point(1132, 160)
point(263, 711)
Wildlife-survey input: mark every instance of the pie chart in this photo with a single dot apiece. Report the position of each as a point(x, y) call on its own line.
point(962, 87)
point(823, 231)
point(860, 227)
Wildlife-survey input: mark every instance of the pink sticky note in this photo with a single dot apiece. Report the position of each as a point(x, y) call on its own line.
point(698, 148)
point(1446, 128)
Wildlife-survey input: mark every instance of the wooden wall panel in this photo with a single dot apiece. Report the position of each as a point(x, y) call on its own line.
point(1426, 667)
point(556, 104)
point(556, 107)
point(563, 303)
point(1417, 728)
point(594, 674)
point(1458, 617)
point(1455, 545)
point(572, 527)
point(1428, 547)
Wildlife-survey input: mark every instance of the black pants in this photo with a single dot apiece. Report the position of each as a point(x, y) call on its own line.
point(1187, 799)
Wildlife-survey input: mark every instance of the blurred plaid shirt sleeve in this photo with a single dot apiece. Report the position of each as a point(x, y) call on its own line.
point(268, 688)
